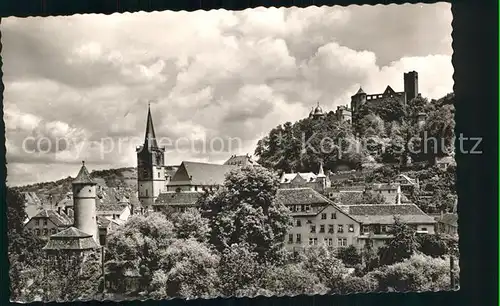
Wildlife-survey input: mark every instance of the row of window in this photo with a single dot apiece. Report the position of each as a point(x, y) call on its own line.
point(45, 232)
point(331, 227)
point(329, 241)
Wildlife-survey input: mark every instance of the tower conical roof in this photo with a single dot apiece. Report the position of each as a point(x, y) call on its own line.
point(150, 137)
point(83, 176)
point(360, 91)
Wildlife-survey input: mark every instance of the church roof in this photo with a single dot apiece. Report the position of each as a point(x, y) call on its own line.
point(83, 176)
point(201, 174)
point(150, 137)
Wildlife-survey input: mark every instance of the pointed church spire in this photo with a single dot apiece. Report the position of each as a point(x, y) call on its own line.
point(150, 137)
point(321, 172)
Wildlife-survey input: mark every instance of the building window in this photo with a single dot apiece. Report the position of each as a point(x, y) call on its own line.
point(299, 223)
point(342, 242)
point(45, 232)
point(313, 241)
point(340, 228)
point(54, 231)
point(383, 228)
point(323, 216)
point(424, 229)
point(290, 238)
point(299, 239)
point(351, 228)
point(158, 174)
point(308, 207)
point(334, 216)
point(322, 228)
point(195, 188)
point(366, 229)
point(330, 228)
point(37, 232)
point(37, 222)
point(45, 222)
point(329, 241)
point(146, 192)
point(313, 228)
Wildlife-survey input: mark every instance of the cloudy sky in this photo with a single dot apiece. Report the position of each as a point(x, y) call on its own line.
point(77, 88)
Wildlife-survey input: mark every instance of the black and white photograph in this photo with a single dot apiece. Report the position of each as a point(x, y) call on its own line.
point(205, 154)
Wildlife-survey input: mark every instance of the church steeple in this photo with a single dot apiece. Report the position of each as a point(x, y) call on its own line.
point(150, 137)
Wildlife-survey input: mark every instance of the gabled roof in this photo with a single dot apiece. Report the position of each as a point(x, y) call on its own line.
point(449, 219)
point(184, 198)
point(54, 217)
point(71, 239)
point(201, 174)
point(299, 196)
point(83, 176)
point(240, 160)
point(384, 213)
point(407, 178)
point(306, 176)
point(389, 90)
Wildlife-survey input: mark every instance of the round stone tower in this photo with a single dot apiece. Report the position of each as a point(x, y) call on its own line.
point(84, 203)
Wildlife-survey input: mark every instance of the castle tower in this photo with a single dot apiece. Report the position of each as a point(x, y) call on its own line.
point(411, 85)
point(317, 112)
point(150, 167)
point(84, 203)
point(357, 100)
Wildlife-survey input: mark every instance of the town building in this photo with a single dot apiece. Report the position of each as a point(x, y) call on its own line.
point(408, 185)
point(177, 201)
point(376, 220)
point(196, 176)
point(46, 223)
point(318, 220)
point(106, 225)
point(318, 182)
point(447, 223)
point(391, 192)
point(444, 162)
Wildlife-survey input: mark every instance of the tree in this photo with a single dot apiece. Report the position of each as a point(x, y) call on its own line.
point(188, 269)
point(329, 269)
point(239, 269)
point(349, 256)
point(357, 284)
point(16, 214)
point(402, 245)
point(191, 224)
point(244, 211)
point(64, 276)
point(432, 245)
point(417, 273)
point(292, 279)
point(136, 246)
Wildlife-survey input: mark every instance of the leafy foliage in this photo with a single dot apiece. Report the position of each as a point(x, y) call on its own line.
point(350, 256)
point(402, 245)
point(191, 224)
point(244, 211)
point(417, 273)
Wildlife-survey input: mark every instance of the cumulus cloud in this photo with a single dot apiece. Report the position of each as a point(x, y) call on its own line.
point(221, 76)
